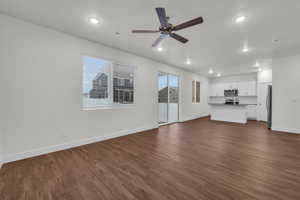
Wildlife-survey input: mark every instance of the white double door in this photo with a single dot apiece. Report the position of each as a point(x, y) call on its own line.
point(262, 112)
point(168, 98)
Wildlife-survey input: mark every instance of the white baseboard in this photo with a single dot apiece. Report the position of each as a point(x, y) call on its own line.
point(59, 147)
point(288, 130)
point(1, 161)
point(197, 116)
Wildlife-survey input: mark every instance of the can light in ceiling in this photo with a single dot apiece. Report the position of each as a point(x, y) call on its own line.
point(240, 19)
point(211, 71)
point(245, 50)
point(260, 69)
point(94, 20)
point(188, 62)
point(219, 74)
point(256, 64)
point(160, 49)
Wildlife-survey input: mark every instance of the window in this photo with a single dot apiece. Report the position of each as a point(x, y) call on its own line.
point(196, 87)
point(106, 83)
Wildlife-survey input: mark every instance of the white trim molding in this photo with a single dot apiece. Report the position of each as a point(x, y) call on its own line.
point(193, 117)
point(287, 130)
point(72, 144)
point(1, 161)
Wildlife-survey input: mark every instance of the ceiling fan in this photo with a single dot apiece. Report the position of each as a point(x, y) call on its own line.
point(167, 29)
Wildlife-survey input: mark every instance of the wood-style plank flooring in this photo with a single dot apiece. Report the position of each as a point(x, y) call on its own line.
point(200, 159)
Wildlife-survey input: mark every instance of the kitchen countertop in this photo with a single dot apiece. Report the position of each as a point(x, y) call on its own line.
point(241, 104)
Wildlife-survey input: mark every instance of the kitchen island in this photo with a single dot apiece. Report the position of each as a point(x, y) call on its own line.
point(229, 112)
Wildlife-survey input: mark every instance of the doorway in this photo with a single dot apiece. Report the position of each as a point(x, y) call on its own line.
point(262, 106)
point(168, 98)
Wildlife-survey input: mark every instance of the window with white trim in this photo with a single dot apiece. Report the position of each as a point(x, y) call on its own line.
point(196, 89)
point(106, 83)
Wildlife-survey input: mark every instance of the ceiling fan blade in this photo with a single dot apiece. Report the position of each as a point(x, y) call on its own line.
point(161, 12)
point(144, 31)
point(158, 40)
point(179, 38)
point(187, 24)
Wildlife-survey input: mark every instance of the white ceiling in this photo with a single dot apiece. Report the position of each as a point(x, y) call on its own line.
point(215, 44)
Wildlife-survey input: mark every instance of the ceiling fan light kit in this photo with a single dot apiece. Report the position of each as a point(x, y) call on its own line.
point(167, 29)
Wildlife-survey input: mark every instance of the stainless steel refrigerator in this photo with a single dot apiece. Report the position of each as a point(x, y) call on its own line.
point(269, 106)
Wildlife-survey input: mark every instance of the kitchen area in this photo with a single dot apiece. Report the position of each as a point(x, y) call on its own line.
point(237, 99)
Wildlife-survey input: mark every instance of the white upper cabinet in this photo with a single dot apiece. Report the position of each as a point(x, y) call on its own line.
point(246, 88)
point(243, 88)
point(216, 89)
point(226, 86)
point(253, 88)
point(212, 89)
point(233, 86)
point(219, 90)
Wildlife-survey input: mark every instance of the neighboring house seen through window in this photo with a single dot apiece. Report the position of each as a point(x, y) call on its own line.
point(106, 83)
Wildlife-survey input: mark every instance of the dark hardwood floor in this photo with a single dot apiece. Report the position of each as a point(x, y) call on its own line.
point(196, 160)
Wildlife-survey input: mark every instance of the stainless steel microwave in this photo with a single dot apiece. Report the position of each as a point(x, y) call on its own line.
point(231, 93)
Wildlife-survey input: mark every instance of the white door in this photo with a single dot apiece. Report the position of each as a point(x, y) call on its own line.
point(163, 98)
point(262, 101)
point(168, 98)
point(173, 83)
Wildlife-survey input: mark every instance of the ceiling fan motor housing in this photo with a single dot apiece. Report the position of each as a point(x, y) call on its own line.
point(166, 29)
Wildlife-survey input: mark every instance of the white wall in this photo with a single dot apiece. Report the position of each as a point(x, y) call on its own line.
point(189, 110)
point(286, 95)
point(264, 76)
point(1, 148)
point(40, 81)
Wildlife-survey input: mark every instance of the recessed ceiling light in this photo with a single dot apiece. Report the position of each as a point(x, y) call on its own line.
point(240, 19)
point(256, 64)
point(160, 49)
point(259, 69)
point(188, 61)
point(211, 71)
point(245, 49)
point(94, 20)
point(219, 74)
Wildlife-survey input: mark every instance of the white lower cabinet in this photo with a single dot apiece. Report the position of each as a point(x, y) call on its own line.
point(251, 112)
